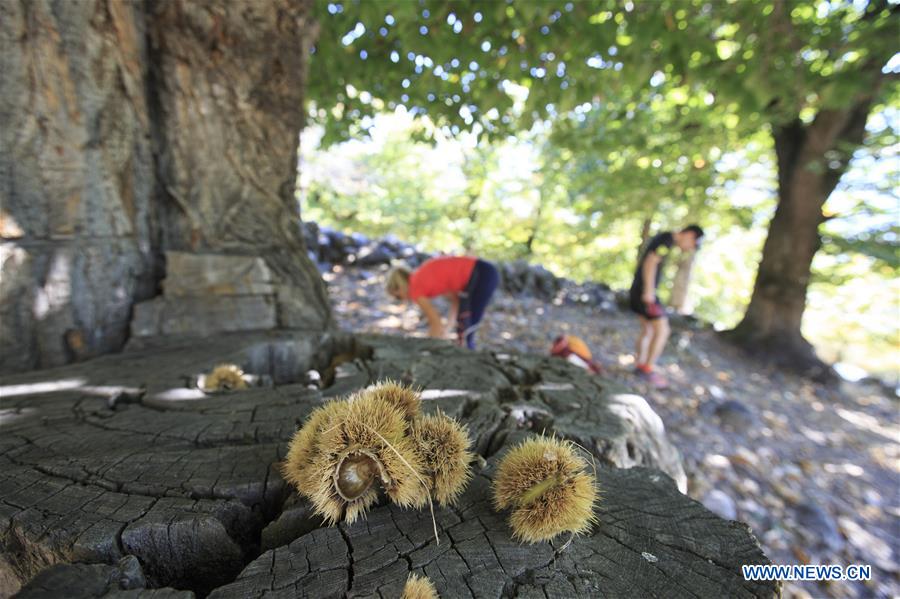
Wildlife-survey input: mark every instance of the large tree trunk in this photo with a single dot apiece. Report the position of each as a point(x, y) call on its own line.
point(679, 300)
point(532, 235)
point(811, 160)
point(475, 169)
point(646, 226)
point(230, 80)
point(131, 129)
point(79, 233)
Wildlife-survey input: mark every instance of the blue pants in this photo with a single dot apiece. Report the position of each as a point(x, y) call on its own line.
point(473, 301)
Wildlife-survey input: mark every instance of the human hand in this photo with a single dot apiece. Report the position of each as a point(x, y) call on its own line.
point(648, 297)
point(654, 310)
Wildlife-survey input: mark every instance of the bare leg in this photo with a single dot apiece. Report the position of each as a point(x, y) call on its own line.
point(660, 327)
point(643, 341)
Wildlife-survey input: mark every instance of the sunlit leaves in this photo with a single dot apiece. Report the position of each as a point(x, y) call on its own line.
point(764, 57)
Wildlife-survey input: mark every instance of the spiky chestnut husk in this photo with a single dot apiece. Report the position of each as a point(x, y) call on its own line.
point(404, 398)
point(444, 447)
point(346, 448)
point(419, 587)
point(546, 485)
point(303, 447)
point(225, 377)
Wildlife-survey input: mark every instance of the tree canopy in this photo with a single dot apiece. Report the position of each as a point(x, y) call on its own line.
point(743, 62)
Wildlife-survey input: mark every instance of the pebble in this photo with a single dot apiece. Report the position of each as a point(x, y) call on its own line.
point(744, 457)
point(734, 414)
point(821, 525)
point(871, 548)
point(720, 503)
point(716, 461)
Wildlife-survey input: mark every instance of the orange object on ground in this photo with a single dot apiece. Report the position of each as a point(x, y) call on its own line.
point(437, 276)
point(570, 346)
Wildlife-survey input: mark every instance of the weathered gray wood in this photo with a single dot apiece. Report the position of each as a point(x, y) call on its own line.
point(117, 457)
point(204, 315)
point(651, 541)
point(77, 581)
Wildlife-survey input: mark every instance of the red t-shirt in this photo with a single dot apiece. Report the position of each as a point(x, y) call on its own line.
point(437, 276)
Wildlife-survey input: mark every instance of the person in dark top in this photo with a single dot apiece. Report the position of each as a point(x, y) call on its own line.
point(643, 300)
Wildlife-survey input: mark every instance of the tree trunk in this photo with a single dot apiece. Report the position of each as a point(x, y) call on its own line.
point(472, 215)
point(79, 230)
point(475, 169)
point(646, 225)
point(141, 489)
point(529, 243)
point(811, 160)
point(232, 80)
point(680, 300)
point(131, 129)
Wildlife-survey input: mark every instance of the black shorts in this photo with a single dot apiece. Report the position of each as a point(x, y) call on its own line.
point(650, 312)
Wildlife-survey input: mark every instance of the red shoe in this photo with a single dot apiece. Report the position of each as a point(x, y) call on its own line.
point(654, 378)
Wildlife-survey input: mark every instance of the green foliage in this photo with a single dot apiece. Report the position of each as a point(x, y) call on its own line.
point(644, 97)
point(852, 313)
point(758, 60)
point(880, 245)
point(393, 187)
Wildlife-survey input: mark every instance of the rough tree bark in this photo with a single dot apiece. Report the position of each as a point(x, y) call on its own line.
point(811, 160)
point(130, 129)
point(646, 225)
point(230, 81)
point(79, 237)
point(475, 170)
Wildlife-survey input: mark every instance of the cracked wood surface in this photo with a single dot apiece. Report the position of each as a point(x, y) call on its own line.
point(117, 459)
point(650, 541)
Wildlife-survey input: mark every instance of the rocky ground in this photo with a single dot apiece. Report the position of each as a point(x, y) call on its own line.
point(814, 470)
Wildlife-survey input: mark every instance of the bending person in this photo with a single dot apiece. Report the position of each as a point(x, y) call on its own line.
point(468, 283)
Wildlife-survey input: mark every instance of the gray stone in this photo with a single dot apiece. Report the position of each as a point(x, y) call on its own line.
point(735, 415)
point(718, 502)
point(214, 274)
point(375, 255)
point(820, 529)
point(203, 316)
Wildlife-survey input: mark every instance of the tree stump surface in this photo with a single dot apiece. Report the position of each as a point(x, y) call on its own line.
point(119, 477)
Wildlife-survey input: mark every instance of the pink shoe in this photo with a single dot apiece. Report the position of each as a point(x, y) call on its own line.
point(654, 378)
